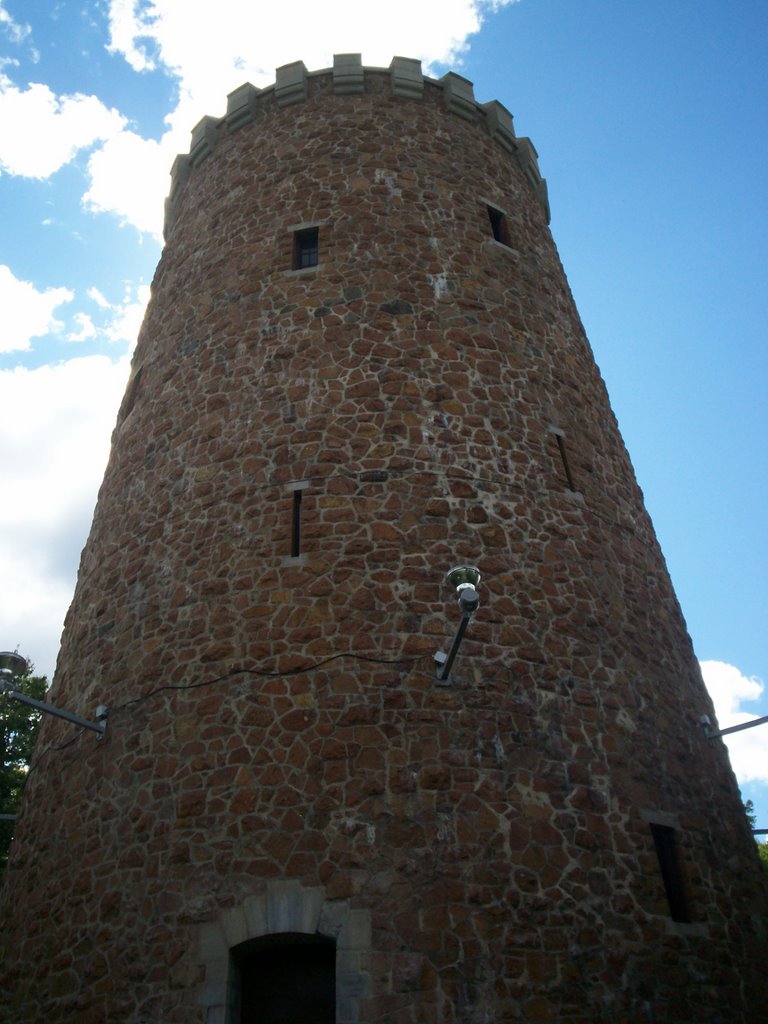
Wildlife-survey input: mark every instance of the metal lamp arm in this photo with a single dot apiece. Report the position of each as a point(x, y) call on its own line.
point(99, 726)
point(445, 670)
point(712, 734)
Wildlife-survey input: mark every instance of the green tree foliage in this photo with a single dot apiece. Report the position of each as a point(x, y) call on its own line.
point(762, 849)
point(18, 725)
point(749, 810)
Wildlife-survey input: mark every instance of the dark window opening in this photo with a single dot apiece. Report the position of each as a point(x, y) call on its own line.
point(672, 876)
point(564, 459)
point(296, 525)
point(499, 225)
point(286, 979)
point(305, 248)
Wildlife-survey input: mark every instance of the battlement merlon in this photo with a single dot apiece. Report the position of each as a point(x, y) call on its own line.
point(407, 78)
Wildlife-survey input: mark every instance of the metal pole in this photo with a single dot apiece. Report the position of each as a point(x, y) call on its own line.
point(445, 671)
point(99, 727)
point(738, 728)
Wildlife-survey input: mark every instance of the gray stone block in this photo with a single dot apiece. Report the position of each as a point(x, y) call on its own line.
point(213, 991)
point(528, 159)
point(353, 984)
point(291, 83)
point(347, 1011)
point(498, 121)
point(347, 961)
point(179, 174)
point(407, 77)
point(241, 105)
point(212, 942)
point(217, 971)
point(167, 217)
point(348, 74)
point(313, 900)
point(333, 917)
point(255, 908)
point(234, 924)
point(356, 933)
point(203, 140)
point(542, 194)
point(284, 907)
point(459, 96)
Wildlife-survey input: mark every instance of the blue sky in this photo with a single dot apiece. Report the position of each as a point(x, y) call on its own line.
point(650, 122)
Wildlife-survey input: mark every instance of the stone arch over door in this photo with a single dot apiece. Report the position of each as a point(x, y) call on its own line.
point(285, 907)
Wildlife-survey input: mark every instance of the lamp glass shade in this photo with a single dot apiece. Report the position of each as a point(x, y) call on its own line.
point(12, 664)
point(462, 576)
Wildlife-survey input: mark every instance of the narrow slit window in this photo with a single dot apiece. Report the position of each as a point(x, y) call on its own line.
point(499, 225)
point(671, 873)
point(305, 248)
point(296, 525)
point(564, 458)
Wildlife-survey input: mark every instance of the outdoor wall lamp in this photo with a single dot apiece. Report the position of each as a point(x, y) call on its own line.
point(465, 579)
point(12, 665)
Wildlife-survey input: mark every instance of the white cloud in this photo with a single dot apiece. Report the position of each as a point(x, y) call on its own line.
point(40, 132)
point(212, 56)
point(16, 32)
point(85, 328)
point(729, 689)
point(98, 298)
point(115, 322)
point(127, 315)
point(26, 312)
point(129, 178)
point(126, 25)
point(54, 442)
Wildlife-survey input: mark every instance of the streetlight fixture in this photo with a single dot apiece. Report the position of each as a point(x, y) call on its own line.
point(12, 665)
point(465, 579)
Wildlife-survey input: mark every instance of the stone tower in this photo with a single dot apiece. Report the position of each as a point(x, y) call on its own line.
point(362, 365)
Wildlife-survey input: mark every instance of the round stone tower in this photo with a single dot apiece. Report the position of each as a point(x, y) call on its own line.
point(361, 365)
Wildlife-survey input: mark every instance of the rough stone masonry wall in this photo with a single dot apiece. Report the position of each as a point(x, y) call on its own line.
point(279, 756)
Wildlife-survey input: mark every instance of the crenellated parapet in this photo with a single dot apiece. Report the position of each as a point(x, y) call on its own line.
point(348, 76)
